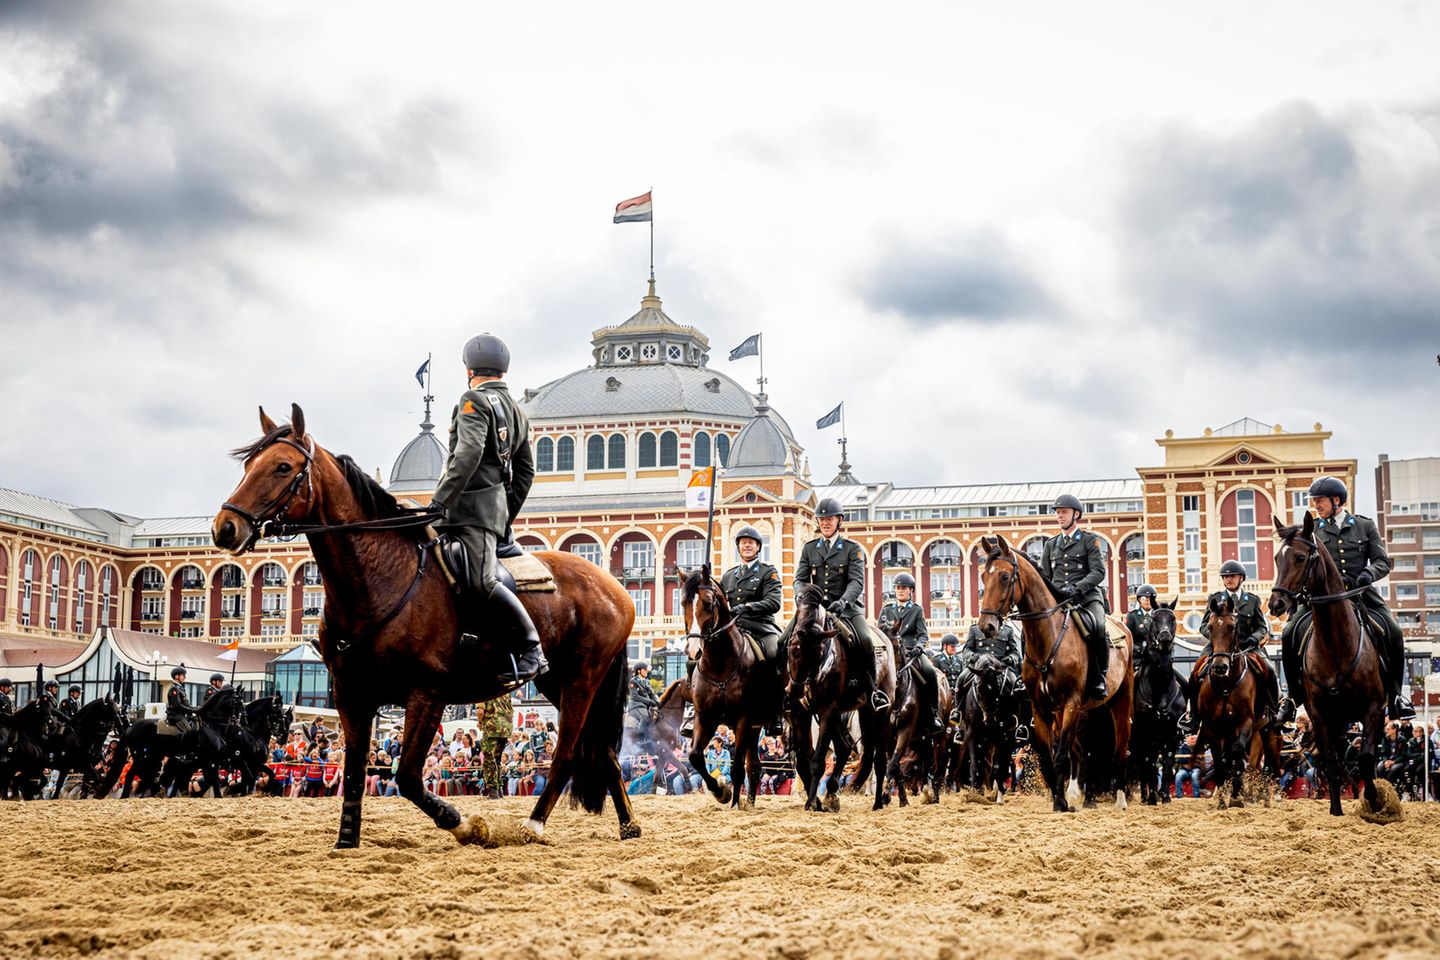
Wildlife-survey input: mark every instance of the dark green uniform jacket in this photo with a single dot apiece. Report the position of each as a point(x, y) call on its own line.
point(1251, 627)
point(1137, 621)
point(1003, 646)
point(69, 707)
point(951, 666)
point(838, 570)
point(757, 586)
point(643, 702)
point(1075, 560)
point(910, 621)
point(472, 489)
point(1356, 547)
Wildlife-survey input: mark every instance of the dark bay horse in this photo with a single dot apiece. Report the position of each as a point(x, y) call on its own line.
point(1228, 702)
point(1343, 680)
point(391, 632)
point(1072, 734)
point(665, 736)
point(1159, 704)
point(988, 715)
point(911, 709)
point(820, 671)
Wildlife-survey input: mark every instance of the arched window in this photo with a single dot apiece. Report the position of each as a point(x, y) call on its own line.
point(107, 593)
point(544, 455)
point(1033, 548)
point(29, 570)
point(565, 454)
point(702, 449)
point(722, 449)
point(669, 449)
point(647, 451)
point(595, 453)
point(617, 452)
point(57, 573)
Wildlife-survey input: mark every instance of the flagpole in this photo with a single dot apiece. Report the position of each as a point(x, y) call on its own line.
point(710, 520)
point(652, 234)
point(760, 349)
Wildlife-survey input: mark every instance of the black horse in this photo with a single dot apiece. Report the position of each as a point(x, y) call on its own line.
point(22, 748)
point(160, 758)
point(1159, 704)
point(918, 695)
point(75, 744)
point(247, 744)
point(989, 718)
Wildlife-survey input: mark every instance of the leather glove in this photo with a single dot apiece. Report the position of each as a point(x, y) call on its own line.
point(436, 509)
point(1348, 581)
point(1364, 579)
point(1065, 591)
point(740, 609)
point(836, 607)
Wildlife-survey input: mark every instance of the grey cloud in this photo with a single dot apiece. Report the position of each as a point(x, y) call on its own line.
point(1314, 229)
point(976, 277)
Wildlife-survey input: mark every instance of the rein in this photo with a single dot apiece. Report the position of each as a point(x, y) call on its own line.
point(1011, 604)
point(705, 637)
point(1306, 575)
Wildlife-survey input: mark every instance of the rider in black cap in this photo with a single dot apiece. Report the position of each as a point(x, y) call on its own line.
point(217, 683)
point(948, 662)
point(908, 618)
point(1137, 621)
point(1354, 543)
point(753, 590)
point(71, 704)
point(1073, 563)
point(7, 705)
point(487, 477)
point(836, 566)
point(178, 712)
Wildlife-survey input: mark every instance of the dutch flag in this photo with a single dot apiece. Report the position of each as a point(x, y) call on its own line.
point(634, 210)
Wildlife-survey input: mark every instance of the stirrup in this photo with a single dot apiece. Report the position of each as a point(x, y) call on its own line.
point(878, 700)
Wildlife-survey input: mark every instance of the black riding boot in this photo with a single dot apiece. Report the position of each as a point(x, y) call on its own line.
point(1291, 665)
point(1191, 721)
point(1099, 648)
point(510, 622)
point(1400, 706)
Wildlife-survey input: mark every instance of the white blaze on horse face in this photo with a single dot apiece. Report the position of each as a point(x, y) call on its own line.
point(692, 642)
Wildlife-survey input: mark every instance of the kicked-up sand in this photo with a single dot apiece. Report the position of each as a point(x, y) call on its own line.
point(258, 877)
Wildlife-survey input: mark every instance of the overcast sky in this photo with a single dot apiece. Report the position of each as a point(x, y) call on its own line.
point(1020, 242)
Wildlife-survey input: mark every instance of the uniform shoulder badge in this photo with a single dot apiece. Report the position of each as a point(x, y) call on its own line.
point(468, 407)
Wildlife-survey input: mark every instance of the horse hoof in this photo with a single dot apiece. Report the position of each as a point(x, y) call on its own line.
point(727, 793)
point(472, 830)
point(630, 831)
point(1121, 801)
point(535, 828)
point(347, 843)
point(746, 804)
point(1165, 798)
point(927, 795)
point(1238, 802)
point(1090, 803)
point(831, 803)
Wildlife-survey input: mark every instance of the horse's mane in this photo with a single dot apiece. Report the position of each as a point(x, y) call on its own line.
point(671, 692)
point(375, 502)
point(223, 697)
point(691, 587)
point(807, 593)
point(1023, 558)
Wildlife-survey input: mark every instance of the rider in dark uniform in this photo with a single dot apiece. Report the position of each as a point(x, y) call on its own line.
point(217, 683)
point(642, 706)
point(1354, 544)
point(7, 704)
point(178, 712)
point(1004, 646)
point(1252, 632)
point(1137, 621)
point(908, 618)
point(948, 662)
point(487, 477)
point(71, 704)
point(753, 589)
point(836, 566)
point(1073, 563)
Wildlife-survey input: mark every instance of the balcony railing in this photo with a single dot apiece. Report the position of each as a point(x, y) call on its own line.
point(310, 612)
point(272, 613)
point(147, 616)
point(231, 583)
point(274, 581)
point(636, 573)
point(944, 561)
point(897, 563)
point(311, 581)
point(152, 586)
point(189, 614)
point(192, 584)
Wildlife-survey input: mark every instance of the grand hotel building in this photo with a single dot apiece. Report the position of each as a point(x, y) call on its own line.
point(615, 444)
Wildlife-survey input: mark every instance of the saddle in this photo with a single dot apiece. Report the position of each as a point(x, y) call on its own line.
point(1374, 627)
point(1114, 633)
point(517, 570)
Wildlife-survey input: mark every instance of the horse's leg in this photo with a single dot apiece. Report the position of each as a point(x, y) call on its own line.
point(902, 743)
point(1374, 725)
point(700, 739)
point(1060, 758)
point(422, 716)
point(880, 732)
point(567, 737)
point(832, 739)
point(355, 724)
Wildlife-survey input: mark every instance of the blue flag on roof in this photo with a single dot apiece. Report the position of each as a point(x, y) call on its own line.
point(420, 374)
point(750, 348)
point(831, 418)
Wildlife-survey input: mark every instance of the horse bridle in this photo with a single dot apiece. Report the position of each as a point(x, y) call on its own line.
point(706, 636)
point(1303, 595)
point(1011, 603)
point(281, 502)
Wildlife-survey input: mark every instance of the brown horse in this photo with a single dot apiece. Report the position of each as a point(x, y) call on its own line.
point(1230, 719)
point(665, 735)
point(391, 634)
point(1072, 734)
point(923, 753)
point(731, 685)
point(820, 671)
point(1343, 680)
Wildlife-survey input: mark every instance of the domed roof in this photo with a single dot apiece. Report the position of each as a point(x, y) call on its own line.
point(641, 389)
point(418, 468)
point(765, 446)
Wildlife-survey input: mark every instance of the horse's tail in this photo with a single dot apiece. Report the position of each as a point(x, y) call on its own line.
point(595, 753)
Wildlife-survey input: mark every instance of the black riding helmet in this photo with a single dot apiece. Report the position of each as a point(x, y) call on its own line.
point(74, 688)
point(217, 676)
point(905, 580)
point(1068, 500)
point(1145, 590)
point(487, 355)
point(829, 507)
point(177, 672)
point(749, 532)
point(6, 682)
point(1330, 487)
point(1232, 567)
point(52, 685)
point(949, 640)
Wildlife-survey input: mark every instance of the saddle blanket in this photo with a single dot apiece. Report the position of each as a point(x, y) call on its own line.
point(1114, 629)
point(531, 576)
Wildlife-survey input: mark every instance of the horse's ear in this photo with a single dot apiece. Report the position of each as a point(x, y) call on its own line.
point(1309, 523)
point(297, 421)
point(1172, 604)
point(266, 424)
point(1279, 527)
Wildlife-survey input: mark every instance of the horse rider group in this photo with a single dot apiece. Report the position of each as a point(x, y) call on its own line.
point(489, 471)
